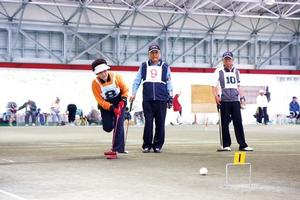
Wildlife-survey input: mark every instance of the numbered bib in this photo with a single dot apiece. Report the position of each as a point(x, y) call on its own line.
point(230, 80)
point(154, 74)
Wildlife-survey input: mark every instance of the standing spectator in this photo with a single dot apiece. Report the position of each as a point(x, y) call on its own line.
point(55, 111)
point(11, 110)
point(157, 95)
point(111, 94)
point(30, 112)
point(177, 108)
point(262, 104)
point(71, 110)
point(230, 102)
point(294, 108)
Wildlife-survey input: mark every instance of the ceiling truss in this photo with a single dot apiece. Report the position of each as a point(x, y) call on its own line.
point(163, 19)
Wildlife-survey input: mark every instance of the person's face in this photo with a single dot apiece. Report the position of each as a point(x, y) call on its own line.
point(103, 75)
point(154, 56)
point(227, 62)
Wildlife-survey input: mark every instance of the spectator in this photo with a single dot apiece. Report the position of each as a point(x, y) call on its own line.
point(71, 110)
point(294, 108)
point(262, 104)
point(177, 108)
point(55, 111)
point(94, 117)
point(30, 112)
point(11, 111)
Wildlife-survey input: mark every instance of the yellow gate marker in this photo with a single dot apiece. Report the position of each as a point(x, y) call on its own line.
point(239, 158)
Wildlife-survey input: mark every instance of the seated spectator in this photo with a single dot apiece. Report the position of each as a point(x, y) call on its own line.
point(11, 112)
point(94, 117)
point(294, 108)
point(30, 112)
point(55, 111)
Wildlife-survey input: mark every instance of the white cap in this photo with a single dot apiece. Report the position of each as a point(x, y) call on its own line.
point(261, 91)
point(101, 68)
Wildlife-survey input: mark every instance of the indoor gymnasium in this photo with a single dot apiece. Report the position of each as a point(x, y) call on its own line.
point(149, 99)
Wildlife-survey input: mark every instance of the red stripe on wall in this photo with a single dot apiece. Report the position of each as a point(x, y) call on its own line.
point(135, 68)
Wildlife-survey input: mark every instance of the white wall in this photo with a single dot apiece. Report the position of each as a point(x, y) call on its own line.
point(74, 86)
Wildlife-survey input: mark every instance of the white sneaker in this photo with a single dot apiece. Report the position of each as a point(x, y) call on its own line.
point(247, 149)
point(226, 149)
point(146, 150)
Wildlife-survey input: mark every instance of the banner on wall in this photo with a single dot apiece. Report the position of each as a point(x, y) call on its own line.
point(203, 100)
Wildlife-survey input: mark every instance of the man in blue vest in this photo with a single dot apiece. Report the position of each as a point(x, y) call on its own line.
point(155, 75)
point(228, 78)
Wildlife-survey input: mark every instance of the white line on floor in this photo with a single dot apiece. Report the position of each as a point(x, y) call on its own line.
point(12, 195)
point(7, 160)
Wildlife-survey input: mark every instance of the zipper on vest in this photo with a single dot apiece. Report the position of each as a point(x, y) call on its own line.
point(153, 85)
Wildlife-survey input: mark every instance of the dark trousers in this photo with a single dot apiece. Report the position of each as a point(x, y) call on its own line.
point(154, 110)
point(262, 113)
point(108, 124)
point(232, 111)
point(72, 108)
point(31, 114)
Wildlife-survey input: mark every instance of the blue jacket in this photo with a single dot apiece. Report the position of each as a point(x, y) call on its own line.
point(294, 106)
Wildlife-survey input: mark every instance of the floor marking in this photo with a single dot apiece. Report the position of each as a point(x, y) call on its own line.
point(12, 195)
point(7, 160)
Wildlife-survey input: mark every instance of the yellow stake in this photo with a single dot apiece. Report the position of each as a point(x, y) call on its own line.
point(239, 158)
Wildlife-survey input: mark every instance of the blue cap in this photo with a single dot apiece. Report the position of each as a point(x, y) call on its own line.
point(228, 54)
point(153, 47)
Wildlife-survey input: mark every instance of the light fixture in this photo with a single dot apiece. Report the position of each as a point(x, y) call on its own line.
point(269, 2)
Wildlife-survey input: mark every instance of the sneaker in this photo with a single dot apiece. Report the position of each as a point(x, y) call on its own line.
point(124, 152)
point(157, 150)
point(226, 149)
point(246, 149)
point(146, 150)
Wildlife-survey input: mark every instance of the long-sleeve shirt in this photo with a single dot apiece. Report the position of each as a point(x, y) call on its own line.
point(114, 80)
point(262, 101)
point(29, 106)
point(294, 106)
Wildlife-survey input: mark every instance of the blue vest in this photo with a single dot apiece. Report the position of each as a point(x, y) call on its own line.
point(154, 81)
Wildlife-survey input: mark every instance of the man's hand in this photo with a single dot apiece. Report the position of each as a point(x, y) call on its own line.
point(243, 102)
point(218, 99)
point(132, 98)
point(170, 102)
